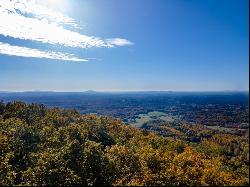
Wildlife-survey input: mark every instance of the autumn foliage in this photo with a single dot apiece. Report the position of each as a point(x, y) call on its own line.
point(51, 146)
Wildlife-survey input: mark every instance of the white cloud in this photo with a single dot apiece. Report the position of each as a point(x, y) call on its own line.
point(119, 42)
point(12, 50)
point(41, 12)
point(24, 19)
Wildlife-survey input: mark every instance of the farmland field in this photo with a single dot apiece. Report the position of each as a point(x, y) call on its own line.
point(151, 116)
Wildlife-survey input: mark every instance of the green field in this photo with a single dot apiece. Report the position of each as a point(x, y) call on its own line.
point(151, 116)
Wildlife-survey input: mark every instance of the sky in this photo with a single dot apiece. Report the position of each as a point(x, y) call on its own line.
point(117, 45)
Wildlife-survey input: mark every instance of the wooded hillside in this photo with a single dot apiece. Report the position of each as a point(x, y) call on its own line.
point(51, 146)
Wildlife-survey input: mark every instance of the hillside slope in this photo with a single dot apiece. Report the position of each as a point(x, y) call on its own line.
point(50, 146)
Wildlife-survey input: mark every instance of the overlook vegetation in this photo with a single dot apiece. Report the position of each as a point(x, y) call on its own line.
point(51, 146)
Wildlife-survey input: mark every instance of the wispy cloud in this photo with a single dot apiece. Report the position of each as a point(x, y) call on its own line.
point(28, 20)
point(13, 50)
point(24, 19)
point(118, 41)
point(30, 8)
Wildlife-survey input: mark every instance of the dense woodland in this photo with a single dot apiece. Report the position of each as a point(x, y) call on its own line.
point(52, 146)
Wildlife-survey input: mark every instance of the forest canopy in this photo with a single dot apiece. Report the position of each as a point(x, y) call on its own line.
point(52, 146)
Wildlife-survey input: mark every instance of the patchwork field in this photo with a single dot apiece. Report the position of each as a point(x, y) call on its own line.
point(151, 116)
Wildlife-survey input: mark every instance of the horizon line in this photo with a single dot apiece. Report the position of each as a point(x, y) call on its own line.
point(117, 91)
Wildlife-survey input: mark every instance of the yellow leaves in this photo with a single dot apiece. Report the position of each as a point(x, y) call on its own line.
point(186, 168)
point(136, 182)
point(4, 144)
point(126, 164)
point(66, 148)
point(6, 169)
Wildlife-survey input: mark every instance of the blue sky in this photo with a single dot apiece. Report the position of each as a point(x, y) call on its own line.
point(117, 45)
